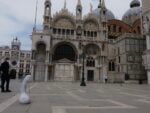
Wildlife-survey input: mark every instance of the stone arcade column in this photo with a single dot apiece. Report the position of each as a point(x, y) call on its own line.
point(33, 69)
point(102, 69)
point(46, 73)
point(146, 55)
point(148, 42)
point(46, 66)
point(99, 66)
point(33, 64)
point(147, 58)
point(148, 77)
point(146, 31)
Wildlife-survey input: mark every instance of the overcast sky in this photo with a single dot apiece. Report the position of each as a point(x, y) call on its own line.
point(17, 16)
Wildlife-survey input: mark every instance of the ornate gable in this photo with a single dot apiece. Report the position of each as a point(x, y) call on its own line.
point(64, 19)
point(90, 22)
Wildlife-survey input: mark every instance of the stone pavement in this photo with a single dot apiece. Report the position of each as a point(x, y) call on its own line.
point(14, 86)
point(60, 97)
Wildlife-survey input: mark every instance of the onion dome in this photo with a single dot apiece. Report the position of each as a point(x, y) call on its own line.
point(135, 3)
point(109, 14)
point(133, 13)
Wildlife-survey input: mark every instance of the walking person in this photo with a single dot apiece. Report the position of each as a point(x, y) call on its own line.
point(5, 77)
point(105, 78)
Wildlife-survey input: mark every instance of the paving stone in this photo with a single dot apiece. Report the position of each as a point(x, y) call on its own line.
point(55, 97)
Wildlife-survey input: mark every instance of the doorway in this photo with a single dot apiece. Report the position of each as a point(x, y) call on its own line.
point(90, 75)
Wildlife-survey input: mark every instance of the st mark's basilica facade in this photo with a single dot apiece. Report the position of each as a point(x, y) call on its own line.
point(68, 43)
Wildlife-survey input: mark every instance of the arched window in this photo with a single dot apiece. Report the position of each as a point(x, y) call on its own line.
point(104, 12)
point(95, 34)
point(72, 32)
point(111, 66)
point(63, 31)
point(109, 28)
point(114, 28)
point(90, 62)
point(93, 63)
point(59, 31)
point(84, 33)
point(54, 30)
point(68, 32)
point(139, 29)
point(40, 52)
point(88, 33)
point(91, 33)
point(120, 29)
point(47, 10)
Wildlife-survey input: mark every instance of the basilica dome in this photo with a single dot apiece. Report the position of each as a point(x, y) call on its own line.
point(133, 13)
point(109, 14)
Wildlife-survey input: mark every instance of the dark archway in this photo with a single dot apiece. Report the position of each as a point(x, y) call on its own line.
point(41, 52)
point(64, 51)
point(40, 58)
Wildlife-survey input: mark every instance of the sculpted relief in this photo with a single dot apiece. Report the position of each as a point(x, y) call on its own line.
point(92, 49)
point(90, 26)
point(64, 23)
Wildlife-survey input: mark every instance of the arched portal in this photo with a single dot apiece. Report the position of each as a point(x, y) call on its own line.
point(64, 56)
point(40, 52)
point(64, 51)
point(40, 58)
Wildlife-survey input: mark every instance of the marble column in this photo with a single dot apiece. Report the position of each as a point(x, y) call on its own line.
point(33, 64)
point(103, 69)
point(148, 42)
point(46, 66)
point(46, 73)
point(32, 72)
point(148, 77)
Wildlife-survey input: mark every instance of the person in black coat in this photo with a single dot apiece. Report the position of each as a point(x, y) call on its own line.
point(5, 78)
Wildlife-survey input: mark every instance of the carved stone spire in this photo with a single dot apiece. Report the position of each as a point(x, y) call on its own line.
point(103, 4)
point(91, 7)
point(65, 4)
point(47, 14)
point(79, 10)
point(100, 4)
point(79, 2)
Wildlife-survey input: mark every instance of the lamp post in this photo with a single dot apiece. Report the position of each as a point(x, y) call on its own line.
point(83, 78)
